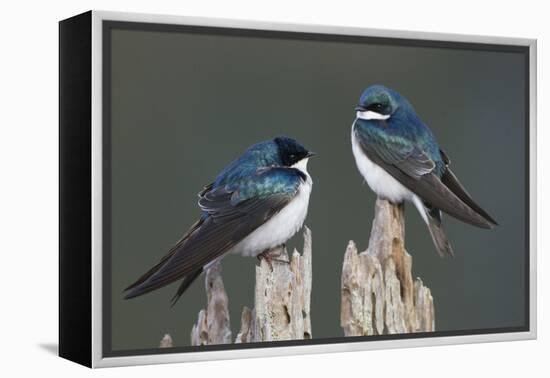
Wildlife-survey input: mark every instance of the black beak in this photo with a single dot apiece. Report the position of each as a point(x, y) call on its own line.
point(359, 108)
point(310, 154)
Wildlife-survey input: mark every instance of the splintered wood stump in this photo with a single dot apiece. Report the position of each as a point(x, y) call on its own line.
point(212, 325)
point(166, 341)
point(282, 298)
point(379, 295)
point(281, 302)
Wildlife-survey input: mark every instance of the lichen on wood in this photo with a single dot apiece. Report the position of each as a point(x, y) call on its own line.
point(379, 294)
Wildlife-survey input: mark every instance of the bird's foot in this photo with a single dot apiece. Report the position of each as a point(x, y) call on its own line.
point(270, 255)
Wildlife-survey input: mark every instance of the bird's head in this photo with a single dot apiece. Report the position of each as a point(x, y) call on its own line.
point(378, 103)
point(292, 153)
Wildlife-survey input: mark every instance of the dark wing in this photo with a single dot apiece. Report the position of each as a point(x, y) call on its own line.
point(170, 253)
point(230, 213)
point(400, 153)
point(415, 170)
point(451, 181)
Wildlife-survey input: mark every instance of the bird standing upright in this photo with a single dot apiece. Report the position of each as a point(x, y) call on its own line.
point(255, 204)
point(400, 159)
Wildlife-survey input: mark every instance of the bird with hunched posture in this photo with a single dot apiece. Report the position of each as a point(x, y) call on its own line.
point(254, 205)
point(400, 159)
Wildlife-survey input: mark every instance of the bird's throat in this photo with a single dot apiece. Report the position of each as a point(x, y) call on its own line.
point(301, 165)
point(369, 115)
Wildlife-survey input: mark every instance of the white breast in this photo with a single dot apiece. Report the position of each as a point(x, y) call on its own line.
point(282, 226)
point(380, 181)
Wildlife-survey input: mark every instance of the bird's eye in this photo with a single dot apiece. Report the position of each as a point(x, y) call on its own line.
point(376, 107)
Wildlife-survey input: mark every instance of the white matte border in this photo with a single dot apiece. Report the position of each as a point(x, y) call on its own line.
point(98, 361)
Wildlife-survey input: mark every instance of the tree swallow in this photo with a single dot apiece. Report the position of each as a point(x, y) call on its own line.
point(255, 204)
point(400, 159)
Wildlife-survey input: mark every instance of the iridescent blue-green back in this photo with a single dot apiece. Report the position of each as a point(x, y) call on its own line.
point(262, 154)
point(258, 173)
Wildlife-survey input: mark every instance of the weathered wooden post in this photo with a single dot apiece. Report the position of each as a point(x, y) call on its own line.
point(379, 295)
point(212, 325)
point(166, 341)
point(281, 302)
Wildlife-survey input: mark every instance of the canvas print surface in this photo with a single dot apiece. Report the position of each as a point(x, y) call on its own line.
point(282, 188)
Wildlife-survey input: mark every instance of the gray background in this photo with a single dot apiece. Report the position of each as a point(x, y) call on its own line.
point(185, 105)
